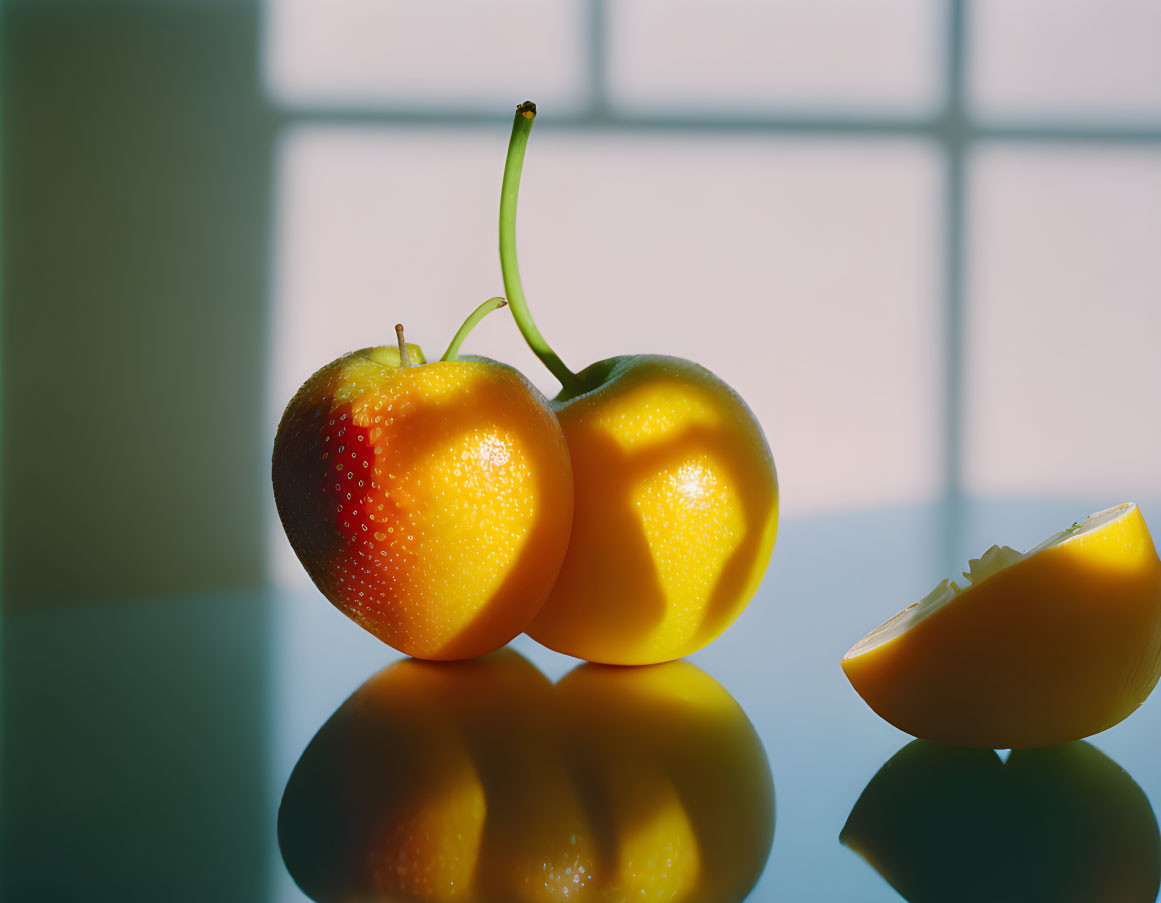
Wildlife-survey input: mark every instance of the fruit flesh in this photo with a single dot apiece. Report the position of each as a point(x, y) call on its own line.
point(1061, 644)
point(431, 504)
point(675, 516)
point(979, 569)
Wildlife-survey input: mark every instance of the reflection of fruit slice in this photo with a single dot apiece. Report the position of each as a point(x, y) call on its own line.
point(1037, 649)
point(1064, 824)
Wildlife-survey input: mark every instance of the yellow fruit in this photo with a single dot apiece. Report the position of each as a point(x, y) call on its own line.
point(1037, 648)
point(674, 518)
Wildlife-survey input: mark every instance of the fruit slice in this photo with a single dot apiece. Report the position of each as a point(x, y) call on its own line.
point(1036, 649)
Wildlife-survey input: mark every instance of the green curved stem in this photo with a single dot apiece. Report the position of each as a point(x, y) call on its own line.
point(469, 324)
point(521, 126)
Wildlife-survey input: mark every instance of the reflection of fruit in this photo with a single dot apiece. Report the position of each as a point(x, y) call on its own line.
point(480, 781)
point(676, 494)
point(670, 763)
point(365, 816)
point(430, 503)
point(536, 842)
point(1064, 824)
point(1038, 649)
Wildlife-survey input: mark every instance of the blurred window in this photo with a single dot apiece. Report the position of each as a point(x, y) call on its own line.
point(916, 235)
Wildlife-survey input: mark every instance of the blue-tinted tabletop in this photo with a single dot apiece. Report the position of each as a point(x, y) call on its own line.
point(147, 743)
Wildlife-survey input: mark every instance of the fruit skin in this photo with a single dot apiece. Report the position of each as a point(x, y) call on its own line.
point(1056, 647)
point(430, 504)
point(1065, 824)
point(675, 516)
point(481, 781)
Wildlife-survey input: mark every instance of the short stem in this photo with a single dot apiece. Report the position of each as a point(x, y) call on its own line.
point(404, 358)
point(469, 324)
point(521, 126)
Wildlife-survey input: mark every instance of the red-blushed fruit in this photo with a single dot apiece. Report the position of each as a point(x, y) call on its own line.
point(431, 504)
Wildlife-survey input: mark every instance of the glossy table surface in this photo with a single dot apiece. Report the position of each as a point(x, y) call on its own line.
point(147, 743)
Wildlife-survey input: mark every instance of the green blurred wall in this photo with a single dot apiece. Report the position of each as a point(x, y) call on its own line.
point(135, 213)
point(136, 198)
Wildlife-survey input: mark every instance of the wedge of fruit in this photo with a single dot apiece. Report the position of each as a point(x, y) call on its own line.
point(1035, 649)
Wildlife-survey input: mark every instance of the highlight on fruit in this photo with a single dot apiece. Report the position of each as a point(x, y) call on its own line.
point(1033, 649)
point(676, 507)
point(482, 781)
